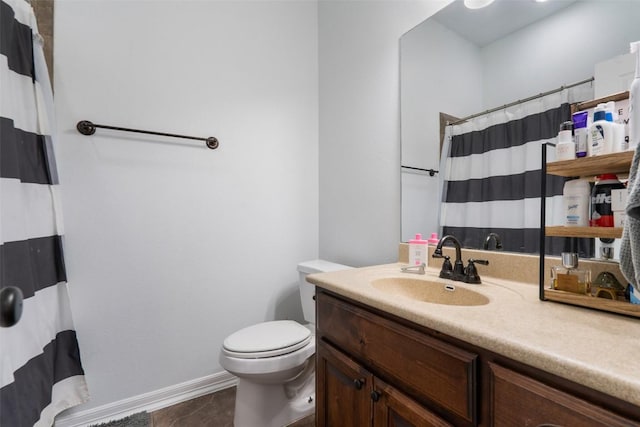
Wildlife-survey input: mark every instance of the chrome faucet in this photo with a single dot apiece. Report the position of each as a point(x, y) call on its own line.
point(494, 236)
point(457, 271)
point(448, 272)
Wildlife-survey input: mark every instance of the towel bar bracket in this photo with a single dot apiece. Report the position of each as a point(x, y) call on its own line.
point(85, 127)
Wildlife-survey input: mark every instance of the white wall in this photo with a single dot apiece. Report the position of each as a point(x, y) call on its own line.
point(359, 126)
point(170, 246)
point(558, 50)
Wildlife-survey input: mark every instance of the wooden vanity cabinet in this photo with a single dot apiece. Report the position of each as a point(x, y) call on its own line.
point(343, 395)
point(411, 375)
point(519, 400)
point(349, 396)
point(374, 369)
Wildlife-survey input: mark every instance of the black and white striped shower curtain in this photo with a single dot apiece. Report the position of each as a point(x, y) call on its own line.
point(491, 176)
point(40, 369)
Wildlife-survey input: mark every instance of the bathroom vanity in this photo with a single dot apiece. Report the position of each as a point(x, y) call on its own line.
point(392, 351)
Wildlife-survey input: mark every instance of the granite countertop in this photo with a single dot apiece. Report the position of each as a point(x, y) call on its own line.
point(596, 349)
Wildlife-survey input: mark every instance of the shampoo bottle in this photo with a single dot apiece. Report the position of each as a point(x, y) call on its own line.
point(418, 250)
point(634, 101)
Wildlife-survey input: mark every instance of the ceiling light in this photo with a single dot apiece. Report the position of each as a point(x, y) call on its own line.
point(477, 4)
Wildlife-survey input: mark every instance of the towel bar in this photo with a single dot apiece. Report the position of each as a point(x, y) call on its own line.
point(86, 127)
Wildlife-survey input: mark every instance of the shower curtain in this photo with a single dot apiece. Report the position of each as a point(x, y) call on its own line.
point(491, 171)
point(40, 369)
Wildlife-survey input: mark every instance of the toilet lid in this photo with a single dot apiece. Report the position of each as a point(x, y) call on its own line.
point(267, 339)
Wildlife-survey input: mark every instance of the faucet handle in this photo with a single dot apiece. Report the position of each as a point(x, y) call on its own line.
point(446, 272)
point(471, 273)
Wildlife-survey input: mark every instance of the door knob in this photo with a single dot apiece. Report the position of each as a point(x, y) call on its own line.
point(10, 306)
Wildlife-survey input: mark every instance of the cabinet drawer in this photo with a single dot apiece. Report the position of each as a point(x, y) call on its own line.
point(520, 400)
point(423, 366)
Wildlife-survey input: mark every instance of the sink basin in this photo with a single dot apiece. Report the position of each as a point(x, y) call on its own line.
point(430, 291)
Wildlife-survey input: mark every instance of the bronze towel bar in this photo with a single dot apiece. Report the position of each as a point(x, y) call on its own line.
point(86, 127)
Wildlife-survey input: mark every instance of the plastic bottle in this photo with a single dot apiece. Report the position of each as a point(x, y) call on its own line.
point(575, 197)
point(433, 240)
point(566, 147)
point(634, 101)
point(618, 142)
point(418, 250)
point(600, 133)
point(601, 212)
point(580, 132)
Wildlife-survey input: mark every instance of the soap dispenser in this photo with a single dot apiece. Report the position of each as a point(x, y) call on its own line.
point(568, 277)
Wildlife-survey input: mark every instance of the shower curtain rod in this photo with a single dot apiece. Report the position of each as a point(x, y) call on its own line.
point(521, 101)
point(86, 127)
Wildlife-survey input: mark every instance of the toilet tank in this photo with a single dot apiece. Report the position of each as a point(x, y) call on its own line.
point(307, 290)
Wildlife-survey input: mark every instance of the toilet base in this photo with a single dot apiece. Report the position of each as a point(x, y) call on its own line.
point(274, 405)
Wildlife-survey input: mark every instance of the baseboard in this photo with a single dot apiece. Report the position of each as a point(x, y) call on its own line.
point(149, 402)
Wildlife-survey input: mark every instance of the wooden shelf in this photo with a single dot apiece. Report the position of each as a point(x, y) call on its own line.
point(620, 307)
point(587, 167)
point(590, 104)
point(592, 166)
point(601, 232)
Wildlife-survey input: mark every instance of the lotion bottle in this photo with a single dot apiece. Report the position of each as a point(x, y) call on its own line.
point(634, 101)
point(600, 133)
point(418, 250)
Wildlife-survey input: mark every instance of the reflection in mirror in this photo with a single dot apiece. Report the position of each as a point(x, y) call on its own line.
point(447, 68)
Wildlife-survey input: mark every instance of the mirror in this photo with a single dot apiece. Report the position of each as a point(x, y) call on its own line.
point(462, 62)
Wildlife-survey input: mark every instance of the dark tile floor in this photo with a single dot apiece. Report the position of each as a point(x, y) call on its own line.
point(215, 410)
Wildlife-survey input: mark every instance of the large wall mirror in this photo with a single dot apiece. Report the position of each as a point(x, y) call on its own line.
point(462, 62)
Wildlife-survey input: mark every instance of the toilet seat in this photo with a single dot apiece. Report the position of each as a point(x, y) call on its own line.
point(267, 339)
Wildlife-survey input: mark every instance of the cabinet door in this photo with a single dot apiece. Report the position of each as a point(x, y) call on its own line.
point(422, 366)
point(343, 390)
point(519, 400)
point(392, 408)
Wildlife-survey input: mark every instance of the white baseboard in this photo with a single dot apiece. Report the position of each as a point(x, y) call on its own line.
point(149, 402)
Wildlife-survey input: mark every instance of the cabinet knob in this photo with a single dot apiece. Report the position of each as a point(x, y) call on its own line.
point(375, 395)
point(358, 383)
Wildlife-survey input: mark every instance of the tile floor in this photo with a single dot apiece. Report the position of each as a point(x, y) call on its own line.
point(215, 410)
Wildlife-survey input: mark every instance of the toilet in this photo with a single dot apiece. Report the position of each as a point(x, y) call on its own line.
point(274, 362)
